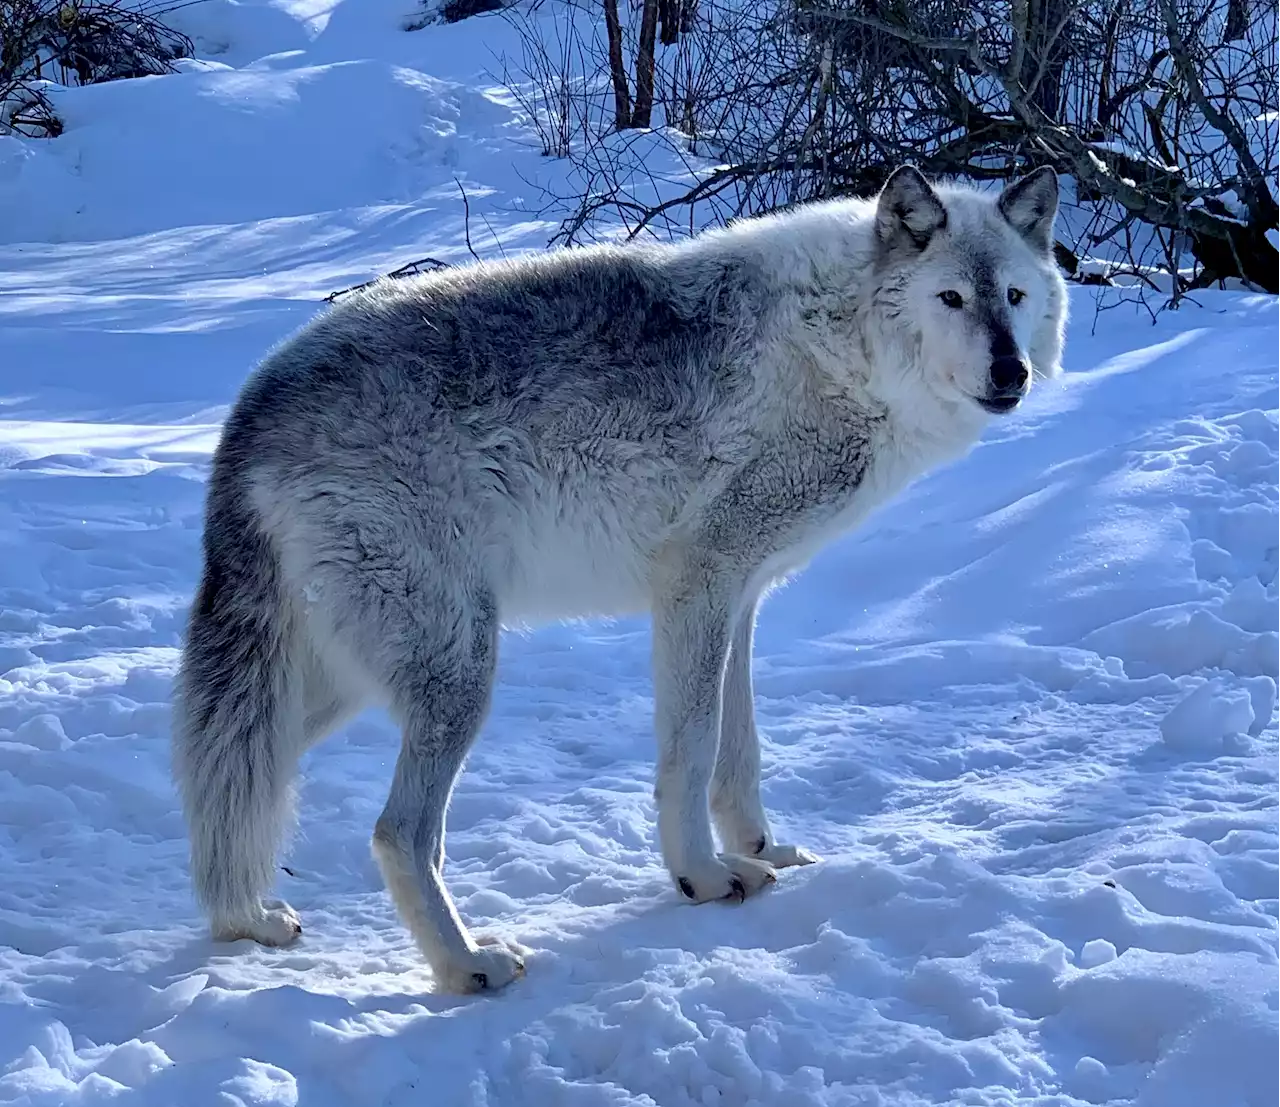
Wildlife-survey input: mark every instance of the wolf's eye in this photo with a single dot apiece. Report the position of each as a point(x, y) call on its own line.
point(1016, 296)
point(952, 299)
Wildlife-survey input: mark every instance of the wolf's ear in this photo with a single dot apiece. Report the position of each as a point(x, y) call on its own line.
point(1031, 205)
point(908, 213)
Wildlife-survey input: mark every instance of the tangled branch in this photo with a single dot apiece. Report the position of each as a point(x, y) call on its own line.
point(70, 42)
point(1163, 112)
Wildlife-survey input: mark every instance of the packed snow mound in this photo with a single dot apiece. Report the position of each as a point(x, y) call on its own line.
point(1027, 714)
point(217, 145)
point(1207, 718)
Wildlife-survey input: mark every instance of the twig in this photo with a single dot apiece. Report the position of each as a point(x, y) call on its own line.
point(412, 269)
point(466, 219)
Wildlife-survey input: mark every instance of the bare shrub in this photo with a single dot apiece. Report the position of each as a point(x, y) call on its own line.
point(1163, 112)
point(557, 81)
point(77, 42)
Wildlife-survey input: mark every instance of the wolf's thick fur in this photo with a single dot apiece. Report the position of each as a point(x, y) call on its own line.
point(594, 432)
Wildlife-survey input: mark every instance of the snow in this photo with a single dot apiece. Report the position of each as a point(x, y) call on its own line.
point(1027, 715)
point(1201, 723)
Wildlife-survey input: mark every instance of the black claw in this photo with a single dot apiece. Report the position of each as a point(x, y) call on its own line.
point(686, 887)
point(761, 842)
point(480, 980)
point(737, 890)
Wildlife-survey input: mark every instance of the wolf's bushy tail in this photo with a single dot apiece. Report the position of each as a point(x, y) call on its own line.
point(234, 750)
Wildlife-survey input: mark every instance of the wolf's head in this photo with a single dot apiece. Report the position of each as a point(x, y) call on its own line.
point(969, 285)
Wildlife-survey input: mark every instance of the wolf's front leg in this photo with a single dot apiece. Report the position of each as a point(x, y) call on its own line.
point(691, 626)
point(735, 785)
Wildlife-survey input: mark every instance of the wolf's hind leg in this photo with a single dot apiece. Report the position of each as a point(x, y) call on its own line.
point(440, 695)
point(735, 785)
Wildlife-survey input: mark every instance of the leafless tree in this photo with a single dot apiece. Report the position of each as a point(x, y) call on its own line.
point(617, 67)
point(1162, 111)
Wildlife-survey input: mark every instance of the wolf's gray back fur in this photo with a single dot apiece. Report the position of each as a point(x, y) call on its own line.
point(594, 432)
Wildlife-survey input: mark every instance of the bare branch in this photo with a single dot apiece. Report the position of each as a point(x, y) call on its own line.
point(761, 106)
point(466, 219)
point(412, 269)
point(1258, 195)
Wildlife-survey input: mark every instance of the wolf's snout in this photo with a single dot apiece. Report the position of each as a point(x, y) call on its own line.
point(1009, 376)
point(1006, 384)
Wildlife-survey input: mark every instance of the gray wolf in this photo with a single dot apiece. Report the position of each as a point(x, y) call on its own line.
point(669, 429)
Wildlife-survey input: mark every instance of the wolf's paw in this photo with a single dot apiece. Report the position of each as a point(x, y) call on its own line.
point(732, 877)
point(782, 857)
point(276, 924)
point(490, 968)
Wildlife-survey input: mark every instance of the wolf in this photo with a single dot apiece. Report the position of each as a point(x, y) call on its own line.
point(671, 429)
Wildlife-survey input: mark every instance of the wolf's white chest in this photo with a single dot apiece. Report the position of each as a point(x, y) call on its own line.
point(579, 553)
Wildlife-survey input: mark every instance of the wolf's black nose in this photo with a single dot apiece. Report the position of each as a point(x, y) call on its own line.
point(1008, 376)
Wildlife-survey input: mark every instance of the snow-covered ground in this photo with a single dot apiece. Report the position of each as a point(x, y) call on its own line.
point(1027, 715)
